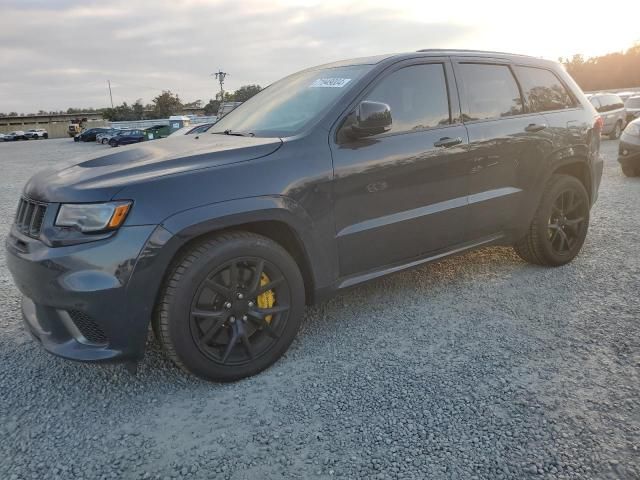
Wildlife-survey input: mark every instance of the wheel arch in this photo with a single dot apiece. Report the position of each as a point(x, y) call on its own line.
point(277, 218)
point(579, 168)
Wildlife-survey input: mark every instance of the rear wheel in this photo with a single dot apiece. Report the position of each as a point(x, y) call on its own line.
point(230, 307)
point(559, 226)
point(630, 171)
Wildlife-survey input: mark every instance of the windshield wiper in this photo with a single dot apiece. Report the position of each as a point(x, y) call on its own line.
point(238, 134)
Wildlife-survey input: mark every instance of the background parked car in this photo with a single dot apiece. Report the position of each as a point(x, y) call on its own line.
point(191, 129)
point(629, 149)
point(15, 135)
point(125, 137)
point(632, 105)
point(105, 136)
point(36, 134)
point(611, 109)
point(2, 135)
point(625, 95)
point(89, 135)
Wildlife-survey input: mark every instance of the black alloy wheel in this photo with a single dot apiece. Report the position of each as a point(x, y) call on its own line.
point(239, 311)
point(569, 214)
point(559, 226)
point(230, 306)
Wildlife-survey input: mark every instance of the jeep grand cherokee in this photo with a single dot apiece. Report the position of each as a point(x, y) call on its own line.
point(328, 178)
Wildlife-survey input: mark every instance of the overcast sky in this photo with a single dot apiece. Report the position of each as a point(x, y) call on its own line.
point(58, 53)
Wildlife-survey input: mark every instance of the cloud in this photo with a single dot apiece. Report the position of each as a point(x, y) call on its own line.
point(57, 54)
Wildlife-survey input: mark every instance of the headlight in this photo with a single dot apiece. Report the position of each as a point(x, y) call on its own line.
point(633, 129)
point(92, 217)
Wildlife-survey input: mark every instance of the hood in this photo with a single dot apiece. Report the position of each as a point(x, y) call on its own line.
point(100, 176)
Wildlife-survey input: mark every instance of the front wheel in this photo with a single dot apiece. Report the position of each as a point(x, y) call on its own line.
point(113, 143)
point(230, 307)
point(559, 227)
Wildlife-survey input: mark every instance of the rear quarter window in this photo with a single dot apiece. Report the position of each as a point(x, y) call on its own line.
point(489, 91)
point(542, 89)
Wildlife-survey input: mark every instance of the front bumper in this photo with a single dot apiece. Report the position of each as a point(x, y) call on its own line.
point(90, 301)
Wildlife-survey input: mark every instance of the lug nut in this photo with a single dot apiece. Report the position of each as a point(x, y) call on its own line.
point(250, 303)
point(232, 319)
point(244, 317)
point(240, 296)
point(227, 305)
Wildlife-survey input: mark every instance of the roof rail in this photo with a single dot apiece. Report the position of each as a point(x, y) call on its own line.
point(468, 51)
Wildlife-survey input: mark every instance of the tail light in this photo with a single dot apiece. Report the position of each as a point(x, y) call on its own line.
point(598, 124)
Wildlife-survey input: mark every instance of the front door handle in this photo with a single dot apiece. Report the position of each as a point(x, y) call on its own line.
point(447, 142)
point(535, 127)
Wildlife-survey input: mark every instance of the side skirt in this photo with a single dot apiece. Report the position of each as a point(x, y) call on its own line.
point(365, 277)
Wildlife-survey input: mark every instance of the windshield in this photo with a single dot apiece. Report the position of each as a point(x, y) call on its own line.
point(633, 102)
point(289, 105)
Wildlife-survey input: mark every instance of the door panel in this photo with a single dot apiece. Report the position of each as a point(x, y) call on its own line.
point(505, 162)
point(402, 194)
point(399, 197)
point(506, 145)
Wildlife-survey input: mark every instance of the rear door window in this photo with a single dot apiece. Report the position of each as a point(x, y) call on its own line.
point(542, 90)
point(489, 92)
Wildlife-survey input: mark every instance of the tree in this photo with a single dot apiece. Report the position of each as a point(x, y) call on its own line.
point(212, 107)
point(610, 71)
point(138, 110)
point(245, 92)
point(196, 104)
point(166, 104)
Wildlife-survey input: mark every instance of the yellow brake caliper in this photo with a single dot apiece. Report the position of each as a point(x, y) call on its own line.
point(268, 298)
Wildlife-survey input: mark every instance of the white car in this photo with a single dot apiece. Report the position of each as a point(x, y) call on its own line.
point(36, 134)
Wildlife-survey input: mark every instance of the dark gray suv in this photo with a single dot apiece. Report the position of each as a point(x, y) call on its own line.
point(328, 178)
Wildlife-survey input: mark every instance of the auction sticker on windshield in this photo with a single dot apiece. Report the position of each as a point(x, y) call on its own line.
point(329, 83)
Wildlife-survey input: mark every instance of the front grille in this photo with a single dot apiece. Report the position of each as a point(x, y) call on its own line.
point(29, 216)
point(88, 328)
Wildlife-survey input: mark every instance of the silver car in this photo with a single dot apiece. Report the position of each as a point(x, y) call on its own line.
point(104, 137)
point(632, 104)
point(611, 109)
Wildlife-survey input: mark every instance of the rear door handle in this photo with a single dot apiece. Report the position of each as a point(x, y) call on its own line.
point(447, 142)
point(535, 127)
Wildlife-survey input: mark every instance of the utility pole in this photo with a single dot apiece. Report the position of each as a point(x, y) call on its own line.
point(110, 96)
point(220, 76)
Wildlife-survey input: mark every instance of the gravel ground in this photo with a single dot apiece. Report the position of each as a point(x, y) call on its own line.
point(479, 366)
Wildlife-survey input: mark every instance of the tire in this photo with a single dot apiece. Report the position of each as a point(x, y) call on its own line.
point(45, 136)
point(617, 131)
point(631, 171)
point(113, 143)
point(230, 336)
point(103, 141)
point(559, 227)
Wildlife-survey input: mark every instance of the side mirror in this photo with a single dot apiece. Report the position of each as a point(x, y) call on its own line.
point(371, 118)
